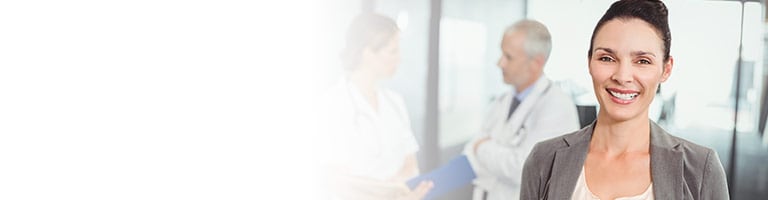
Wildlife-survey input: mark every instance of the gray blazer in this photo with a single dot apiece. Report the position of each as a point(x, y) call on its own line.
point(679, 169)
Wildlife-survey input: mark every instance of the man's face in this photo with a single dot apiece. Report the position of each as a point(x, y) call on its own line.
point(515, 64)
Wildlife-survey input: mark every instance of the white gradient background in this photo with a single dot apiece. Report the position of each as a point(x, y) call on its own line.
point(171, 99)
point(161, 99)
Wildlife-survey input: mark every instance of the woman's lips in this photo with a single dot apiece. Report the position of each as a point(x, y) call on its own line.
point(622, 96)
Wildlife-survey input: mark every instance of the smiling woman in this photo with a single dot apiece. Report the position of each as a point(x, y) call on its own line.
point(623, 154)
point(625, 69)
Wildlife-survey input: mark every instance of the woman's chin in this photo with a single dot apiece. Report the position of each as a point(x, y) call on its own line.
point(621, 114)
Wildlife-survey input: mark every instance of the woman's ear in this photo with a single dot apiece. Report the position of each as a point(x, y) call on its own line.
point(667, 69)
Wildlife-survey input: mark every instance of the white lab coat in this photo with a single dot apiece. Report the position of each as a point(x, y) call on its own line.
point(366, 143)
point(545, 113)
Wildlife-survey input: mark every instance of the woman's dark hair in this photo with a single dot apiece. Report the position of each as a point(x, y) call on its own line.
point(367, 30)
point(654, 12)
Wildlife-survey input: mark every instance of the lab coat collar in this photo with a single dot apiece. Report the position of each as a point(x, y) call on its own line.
point(522, 94)
point(358, 101)
point(521, 113)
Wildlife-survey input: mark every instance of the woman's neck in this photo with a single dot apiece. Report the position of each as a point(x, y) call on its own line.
point(619, 137)
point(366, 84)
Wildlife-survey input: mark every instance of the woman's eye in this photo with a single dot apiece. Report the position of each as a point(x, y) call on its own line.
point(605, 59)
point(646, 62)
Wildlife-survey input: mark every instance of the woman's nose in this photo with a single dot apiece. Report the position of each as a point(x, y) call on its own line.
point(623, 73)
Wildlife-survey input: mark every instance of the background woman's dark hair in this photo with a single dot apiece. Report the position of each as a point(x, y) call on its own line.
point(367, 30)
point(653, 12)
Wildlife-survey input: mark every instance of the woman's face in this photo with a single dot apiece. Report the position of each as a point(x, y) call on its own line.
point(626, 66)
point(384, 60)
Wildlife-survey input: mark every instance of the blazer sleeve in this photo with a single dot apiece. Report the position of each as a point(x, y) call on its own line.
point(713, 185)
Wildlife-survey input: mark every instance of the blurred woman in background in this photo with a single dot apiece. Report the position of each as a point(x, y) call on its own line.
point(373, 150)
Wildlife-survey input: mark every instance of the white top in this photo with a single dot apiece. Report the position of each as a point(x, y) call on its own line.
point(365, 142)
point(582, 191)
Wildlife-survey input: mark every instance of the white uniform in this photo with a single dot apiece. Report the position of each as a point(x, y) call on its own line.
point(364, 142)
point(544, 113)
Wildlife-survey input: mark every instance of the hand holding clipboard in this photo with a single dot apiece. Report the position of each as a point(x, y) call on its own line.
point(451, 176)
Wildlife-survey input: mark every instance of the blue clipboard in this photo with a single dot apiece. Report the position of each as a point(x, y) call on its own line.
point(451, 176)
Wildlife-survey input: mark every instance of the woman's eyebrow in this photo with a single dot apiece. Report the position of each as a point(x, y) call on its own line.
point(640, 53)
point(634, 53)
point(605, 49)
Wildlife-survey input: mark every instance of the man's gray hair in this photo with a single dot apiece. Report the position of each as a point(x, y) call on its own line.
point(537, 38)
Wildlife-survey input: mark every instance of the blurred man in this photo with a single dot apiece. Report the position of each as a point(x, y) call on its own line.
point(533, 110)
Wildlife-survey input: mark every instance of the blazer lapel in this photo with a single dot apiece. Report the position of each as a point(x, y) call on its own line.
point(666, 165)
point(666, 162)
point(568, 163)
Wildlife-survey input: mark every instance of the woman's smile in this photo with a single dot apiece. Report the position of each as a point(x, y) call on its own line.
point(623, 97)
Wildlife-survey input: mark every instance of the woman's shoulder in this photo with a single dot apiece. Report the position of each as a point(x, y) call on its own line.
point(701, 166)
point(541, 158)
point(550, 146)
point(691, 147)
point(690, 151)
point(694, 154)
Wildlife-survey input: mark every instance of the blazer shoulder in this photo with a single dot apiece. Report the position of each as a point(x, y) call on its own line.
point(694, 154)
point(703, 170)
point(538, 165)
point(548, 147)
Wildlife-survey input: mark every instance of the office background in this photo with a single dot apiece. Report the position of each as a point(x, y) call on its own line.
point(448, 72)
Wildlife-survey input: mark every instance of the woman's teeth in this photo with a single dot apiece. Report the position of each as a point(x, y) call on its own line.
point(623, 96)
